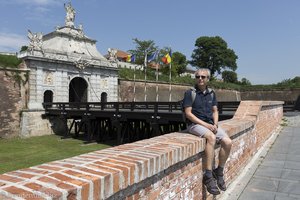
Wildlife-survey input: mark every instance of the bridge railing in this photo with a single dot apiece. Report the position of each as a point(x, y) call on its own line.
point(132, 106)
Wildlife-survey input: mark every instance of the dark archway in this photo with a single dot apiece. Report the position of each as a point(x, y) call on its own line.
point(48, 96)
point(78, 90)
point(103, 97)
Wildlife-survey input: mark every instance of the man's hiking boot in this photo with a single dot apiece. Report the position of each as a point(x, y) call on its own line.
point(220, 179)
point(211, 185)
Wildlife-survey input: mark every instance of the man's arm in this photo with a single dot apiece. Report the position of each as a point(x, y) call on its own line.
point(215, 115)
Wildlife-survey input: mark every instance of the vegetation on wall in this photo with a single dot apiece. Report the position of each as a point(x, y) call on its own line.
point(285, 84)
point(9, 61)
point(18, 76)
point(12, 62)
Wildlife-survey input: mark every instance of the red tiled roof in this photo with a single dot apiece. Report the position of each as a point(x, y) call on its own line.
point(122, 54)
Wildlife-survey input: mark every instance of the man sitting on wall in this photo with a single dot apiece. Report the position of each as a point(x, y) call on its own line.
point(200, 107)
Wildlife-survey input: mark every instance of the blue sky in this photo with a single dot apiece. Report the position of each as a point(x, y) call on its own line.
point(265, 34)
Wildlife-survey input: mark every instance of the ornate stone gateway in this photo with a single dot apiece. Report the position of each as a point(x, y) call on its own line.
point(65, 66)
point(67, 63)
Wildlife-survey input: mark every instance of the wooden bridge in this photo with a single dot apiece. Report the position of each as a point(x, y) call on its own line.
point(125, 121)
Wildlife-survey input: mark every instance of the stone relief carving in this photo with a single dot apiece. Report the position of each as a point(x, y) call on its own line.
point(103, 83)
point(48, 78)
point(112, 53)
point(70, 16)
point(81, 64)
point(35, 41)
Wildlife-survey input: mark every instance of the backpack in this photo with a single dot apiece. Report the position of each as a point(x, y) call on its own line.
point(193, 96)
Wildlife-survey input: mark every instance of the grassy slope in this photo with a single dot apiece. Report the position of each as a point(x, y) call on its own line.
point(9, 61)
point(20, 153)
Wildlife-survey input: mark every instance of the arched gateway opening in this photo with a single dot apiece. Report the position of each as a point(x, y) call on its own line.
point(78, 90)
point(103, 97)
point(48, 96)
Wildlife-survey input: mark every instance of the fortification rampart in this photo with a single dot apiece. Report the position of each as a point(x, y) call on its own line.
point(163, 167)
point(291, 94)
point(126, 92)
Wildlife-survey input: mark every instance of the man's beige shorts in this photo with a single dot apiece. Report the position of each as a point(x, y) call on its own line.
point(200, 131)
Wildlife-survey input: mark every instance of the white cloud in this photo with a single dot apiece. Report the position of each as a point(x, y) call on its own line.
point(10, 42)
point(38, 2)
point(34, 7)
point(35, 10)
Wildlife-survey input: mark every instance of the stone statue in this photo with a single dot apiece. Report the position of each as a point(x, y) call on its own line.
point(80, 30)
point(112, 53)
point(70, 17)
point(48, 78)
point(35, 41)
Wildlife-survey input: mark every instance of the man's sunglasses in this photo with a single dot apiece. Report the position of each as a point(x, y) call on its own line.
point(202, 77)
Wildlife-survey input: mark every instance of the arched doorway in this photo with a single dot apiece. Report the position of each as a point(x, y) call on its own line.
point(48, 96)
point(104, 97)
point(78, 90)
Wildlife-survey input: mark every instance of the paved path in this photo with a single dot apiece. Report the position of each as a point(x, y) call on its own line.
point(275, 174)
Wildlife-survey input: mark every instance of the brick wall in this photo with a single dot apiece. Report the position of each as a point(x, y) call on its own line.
point(164, 167)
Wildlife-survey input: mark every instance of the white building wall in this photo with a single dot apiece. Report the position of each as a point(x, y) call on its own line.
point(56, 77)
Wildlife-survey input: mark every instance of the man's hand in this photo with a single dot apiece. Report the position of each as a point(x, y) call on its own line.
point(212, 128)
point(216, 127)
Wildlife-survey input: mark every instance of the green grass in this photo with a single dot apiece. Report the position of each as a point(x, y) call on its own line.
point(17, 153)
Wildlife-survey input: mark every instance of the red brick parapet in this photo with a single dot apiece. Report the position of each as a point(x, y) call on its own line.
point(164, 167)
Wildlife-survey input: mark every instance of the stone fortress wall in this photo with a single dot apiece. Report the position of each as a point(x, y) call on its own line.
point(10, 107)
point(17, 120)
point(279, 95)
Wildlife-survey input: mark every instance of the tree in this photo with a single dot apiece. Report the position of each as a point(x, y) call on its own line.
point(245, 81)
point(142, 47)
point(213, 53)
point(229, 77)
point(24, 48)
point(179, 62)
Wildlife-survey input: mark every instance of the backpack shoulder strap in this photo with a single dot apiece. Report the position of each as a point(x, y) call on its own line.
point(211, 92)
point(193, 94)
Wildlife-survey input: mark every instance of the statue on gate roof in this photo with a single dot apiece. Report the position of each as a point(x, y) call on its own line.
point(35, 41)
point(70, 16)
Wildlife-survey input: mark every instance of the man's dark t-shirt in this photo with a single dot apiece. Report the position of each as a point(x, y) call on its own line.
point(203, 104)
